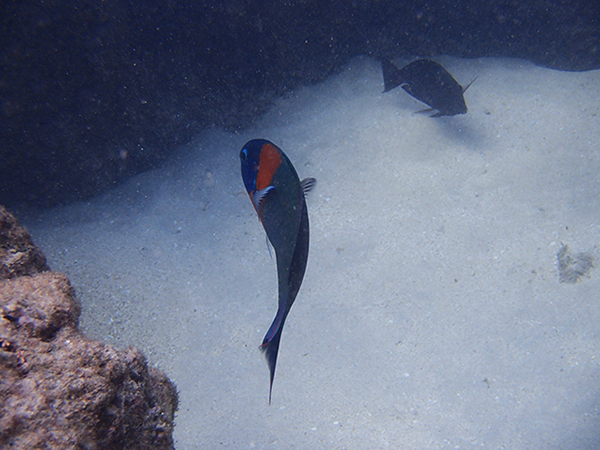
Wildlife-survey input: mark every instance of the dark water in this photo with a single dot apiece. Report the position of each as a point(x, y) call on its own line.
point(95, 92)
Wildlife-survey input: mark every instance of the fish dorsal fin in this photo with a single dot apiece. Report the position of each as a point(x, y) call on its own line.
point(308, 184)
point(259, 196)
point(469, 85)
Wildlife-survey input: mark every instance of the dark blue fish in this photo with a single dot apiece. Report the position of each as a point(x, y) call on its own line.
point(429, 82)
point(278, 197)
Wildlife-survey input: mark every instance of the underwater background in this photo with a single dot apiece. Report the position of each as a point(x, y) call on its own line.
point(94, 92)
point(451, 294)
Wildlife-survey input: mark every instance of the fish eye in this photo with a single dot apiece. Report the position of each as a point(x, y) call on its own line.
point(243, 154)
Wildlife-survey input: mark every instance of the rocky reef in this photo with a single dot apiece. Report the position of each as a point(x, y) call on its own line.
point(60, 389)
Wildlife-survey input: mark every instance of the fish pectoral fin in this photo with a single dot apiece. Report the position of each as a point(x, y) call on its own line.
point(259, 196)
point(308, 184)
point(426, 111)
point(269, 246)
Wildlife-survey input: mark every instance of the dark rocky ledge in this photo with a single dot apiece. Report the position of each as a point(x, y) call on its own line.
point(94, 92)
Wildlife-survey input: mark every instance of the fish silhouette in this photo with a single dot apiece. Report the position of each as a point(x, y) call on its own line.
point(429, 82)
point(278, 198)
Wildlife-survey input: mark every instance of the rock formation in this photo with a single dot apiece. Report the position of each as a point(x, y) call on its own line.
point(59, 389)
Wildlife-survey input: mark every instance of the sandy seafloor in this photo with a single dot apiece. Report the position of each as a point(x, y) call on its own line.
point(431, 315)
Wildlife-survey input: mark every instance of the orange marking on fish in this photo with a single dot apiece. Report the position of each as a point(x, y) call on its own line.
point(269, 162)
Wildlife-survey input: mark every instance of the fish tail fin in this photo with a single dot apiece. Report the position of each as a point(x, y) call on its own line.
point(271, 349)
point(391, 75)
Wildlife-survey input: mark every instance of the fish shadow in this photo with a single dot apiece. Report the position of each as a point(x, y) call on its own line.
point(460, 129)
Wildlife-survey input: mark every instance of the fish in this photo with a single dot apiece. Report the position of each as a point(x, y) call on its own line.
point(429, 82)
point(278, 196)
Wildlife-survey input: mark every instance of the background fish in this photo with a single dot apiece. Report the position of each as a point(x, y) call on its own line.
point(429, 82)
point(278, 197)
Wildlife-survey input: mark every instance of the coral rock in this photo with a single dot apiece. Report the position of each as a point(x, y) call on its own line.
point(18, 255)
point(62, 390)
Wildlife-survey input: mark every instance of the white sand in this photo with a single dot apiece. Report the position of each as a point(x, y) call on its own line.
point(431, 315)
